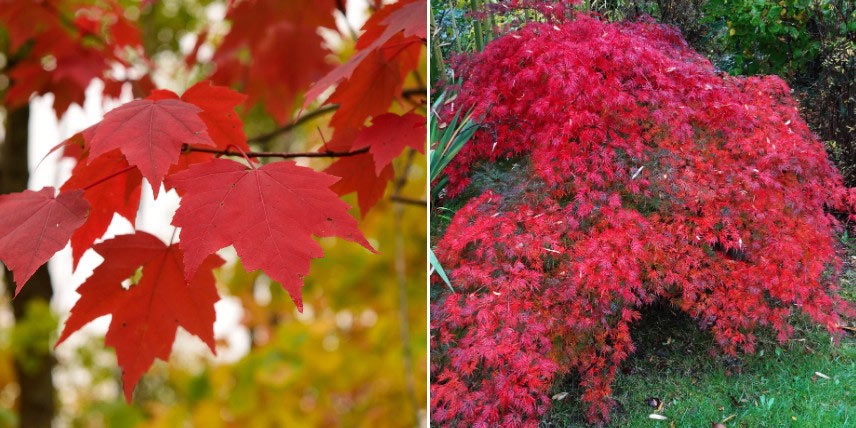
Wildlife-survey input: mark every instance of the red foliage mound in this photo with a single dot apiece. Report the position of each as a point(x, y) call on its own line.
point(649, 176)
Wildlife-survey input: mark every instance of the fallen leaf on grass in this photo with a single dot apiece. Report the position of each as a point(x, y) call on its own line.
point(560, 396)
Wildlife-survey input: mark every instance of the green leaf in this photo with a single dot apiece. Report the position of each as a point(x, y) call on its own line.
point(435, 264)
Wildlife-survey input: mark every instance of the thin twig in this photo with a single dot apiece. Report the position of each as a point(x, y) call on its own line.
point(293, 124)
point(282, 155)
point(315, 113)
point(406, 200)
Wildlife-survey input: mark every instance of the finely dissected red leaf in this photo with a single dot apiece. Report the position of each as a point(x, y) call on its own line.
point(35, 225)
point(407, 18)
point(147, 315)
point(357, 177)
point(150, 134)
point(268, 214)
point(389, 134)
point(118, 195)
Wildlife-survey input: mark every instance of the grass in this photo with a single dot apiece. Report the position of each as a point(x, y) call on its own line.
point(776, 387)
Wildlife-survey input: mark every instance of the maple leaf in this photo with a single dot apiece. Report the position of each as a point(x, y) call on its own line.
point(375, 76)
point(407, 18)
point(268, 214)
point(357, 177)
point(24, 20)
point(389, 134)
point(150, 134)
point(122, 32)
point(74, 68)
point(218, 112)
point(35, 225)
point(118, 195)
point(287, 52)
point(147, 315)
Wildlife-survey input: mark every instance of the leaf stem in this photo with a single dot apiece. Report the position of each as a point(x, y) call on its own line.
point(243, 153)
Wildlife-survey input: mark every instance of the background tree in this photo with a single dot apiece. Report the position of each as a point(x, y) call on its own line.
point(276, 58)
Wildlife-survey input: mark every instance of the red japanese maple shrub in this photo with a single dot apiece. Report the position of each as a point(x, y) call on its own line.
point(648, 177)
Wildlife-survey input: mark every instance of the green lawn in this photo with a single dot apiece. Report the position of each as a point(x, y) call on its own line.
point(775, 387)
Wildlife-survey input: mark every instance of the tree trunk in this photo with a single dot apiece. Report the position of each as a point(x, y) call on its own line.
point(36, 404)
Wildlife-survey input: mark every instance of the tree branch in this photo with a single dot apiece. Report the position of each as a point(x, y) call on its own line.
point(282, 155)
point(414, 92)
point(406, 200)
point(315, 113)
point(293, 124)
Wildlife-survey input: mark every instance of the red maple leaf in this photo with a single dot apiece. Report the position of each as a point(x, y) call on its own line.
point(389, 134)
point(66, 77)
point(25, 19)
point(35, 225)
point(357, 177)
point(268, 214)
point(287, 52)
point(118, 195)
point(147, 315)
point(150, 134)
point(407, 17)
point(218, 112)
point(375, 76)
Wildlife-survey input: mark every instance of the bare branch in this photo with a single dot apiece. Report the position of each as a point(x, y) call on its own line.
point(406, 200)
point(282, 155)
point(315, 113)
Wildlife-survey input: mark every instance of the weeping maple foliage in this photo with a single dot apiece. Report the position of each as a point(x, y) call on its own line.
point(271, 214)
point(640, 174)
